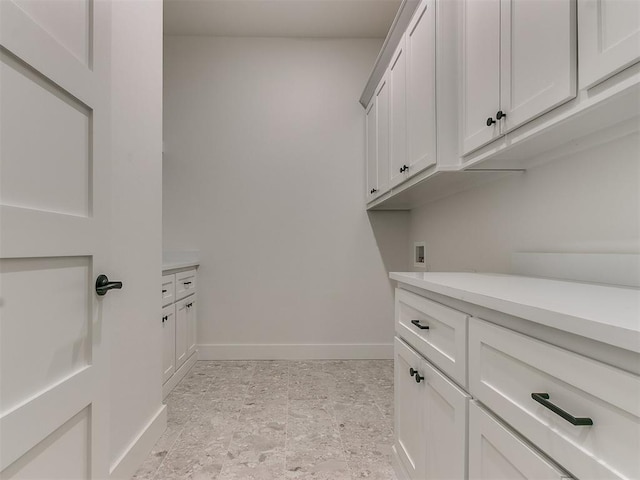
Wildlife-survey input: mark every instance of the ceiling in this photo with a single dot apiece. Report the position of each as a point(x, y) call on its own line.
point(280, 18)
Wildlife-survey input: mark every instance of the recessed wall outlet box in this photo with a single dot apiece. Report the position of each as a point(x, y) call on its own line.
point(419, 254)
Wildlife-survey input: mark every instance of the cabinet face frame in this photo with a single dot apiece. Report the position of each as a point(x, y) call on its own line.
point(181, 332)
point(383, 113)
point(599, 61)
point(169, 342)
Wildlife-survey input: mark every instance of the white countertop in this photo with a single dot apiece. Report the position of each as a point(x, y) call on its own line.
point(604, 313)
point(175, 260)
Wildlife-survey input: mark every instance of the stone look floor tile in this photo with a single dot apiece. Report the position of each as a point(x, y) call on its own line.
point(278, 420)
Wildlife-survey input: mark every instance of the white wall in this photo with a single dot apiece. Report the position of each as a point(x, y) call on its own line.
point(263, 174)
point(587, 202)
point(136, 382)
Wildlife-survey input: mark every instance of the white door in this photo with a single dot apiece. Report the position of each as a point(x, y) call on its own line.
point(538, 59)
point(495, 453)
point(372, 150)
point(168, 342)
point(398, 115)
point(181, 332)
point(445, 425)
point(54, 238)
point(609, 38)
point(382, 135)
point(480, 73)
point(408, 410)
point(192, 309)
point(421, 88)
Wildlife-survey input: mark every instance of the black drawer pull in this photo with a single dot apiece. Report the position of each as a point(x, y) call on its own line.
point(187, 283)
point(164, 291)
point(419, 325)
point(164, 319)
point(412, 372)
point(543, 399)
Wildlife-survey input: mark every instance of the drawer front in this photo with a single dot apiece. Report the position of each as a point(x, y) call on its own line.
point(168, 289)
point(496, 452)
point(437, 332)
point(506, 368)
point(185, 283)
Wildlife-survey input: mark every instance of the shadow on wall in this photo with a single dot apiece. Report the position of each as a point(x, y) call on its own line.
point(391, 231)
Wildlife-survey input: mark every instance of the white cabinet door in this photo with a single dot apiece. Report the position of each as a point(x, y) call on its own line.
point(382, 135)
point(480, 73)
point(191, 324)
point(398, 120)
point(372, 150)
point(538, 57)
point(495, 453)
point(608, 37)
point(408, 405)
point(55, 235)
point(421, 88)
point(444, 410)
point(430, 419)
point(168, 342)
point(181, 332)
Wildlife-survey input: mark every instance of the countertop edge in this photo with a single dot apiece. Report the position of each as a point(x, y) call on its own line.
point(178, 265)
point(615, 335)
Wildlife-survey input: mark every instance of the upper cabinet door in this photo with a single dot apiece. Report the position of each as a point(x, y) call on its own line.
point(421, 88)
point(609, 38)
point(480, 73)
point(372, 150)
point(382, 134)
point(398, 119)
point(538, 59)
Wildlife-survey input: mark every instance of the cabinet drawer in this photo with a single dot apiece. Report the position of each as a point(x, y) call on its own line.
point(496, 452)
point(185, 283)
point(437, 332)
point(168, 289)
point(506, 368)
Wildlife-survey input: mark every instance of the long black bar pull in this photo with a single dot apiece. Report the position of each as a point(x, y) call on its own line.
point(419, 325)
point(543, 399)
point(103, 285)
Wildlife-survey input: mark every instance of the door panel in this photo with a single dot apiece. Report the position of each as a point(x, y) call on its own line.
point(480, 72)
point(609, 37)
point(538, 58)
point(181, 332)
point(168, 342)
point(398, 120)
point(54, 238)
point(192, 316)
point(382, 135)
point(372, 150)
point(421, 88)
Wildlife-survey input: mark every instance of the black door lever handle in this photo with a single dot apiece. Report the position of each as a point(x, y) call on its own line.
point(103, 285)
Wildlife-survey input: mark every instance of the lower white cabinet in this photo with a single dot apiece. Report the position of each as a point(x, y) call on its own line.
point(179, 323)
point(168, 342)
point(430, 419)
point(497, 453)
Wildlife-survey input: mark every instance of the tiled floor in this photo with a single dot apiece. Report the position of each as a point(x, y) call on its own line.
point(325, 420)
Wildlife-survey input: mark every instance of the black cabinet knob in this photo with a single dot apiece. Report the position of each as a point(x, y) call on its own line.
point(403, 169)
point(412, 372)
point(418, 378)
point(490, 121)
point(103, 285)
point(500, 115)
point(373, 190)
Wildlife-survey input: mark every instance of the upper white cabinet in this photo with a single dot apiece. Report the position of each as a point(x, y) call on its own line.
point(421, 88)
point(518, 61)
point(609, 38)
point(398, 114)
point(378, 141)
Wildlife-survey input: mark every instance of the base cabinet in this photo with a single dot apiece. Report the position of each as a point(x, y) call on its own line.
point(179, 323)
point(430, 421)
point(496, 453)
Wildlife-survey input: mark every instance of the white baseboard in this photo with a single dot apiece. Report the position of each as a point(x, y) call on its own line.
point(126, 466)
point(179, 374)
point(398, 468)
point(356, 351)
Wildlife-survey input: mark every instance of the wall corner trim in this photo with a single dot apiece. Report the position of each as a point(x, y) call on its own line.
point(341, 351)
point(128, 463)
